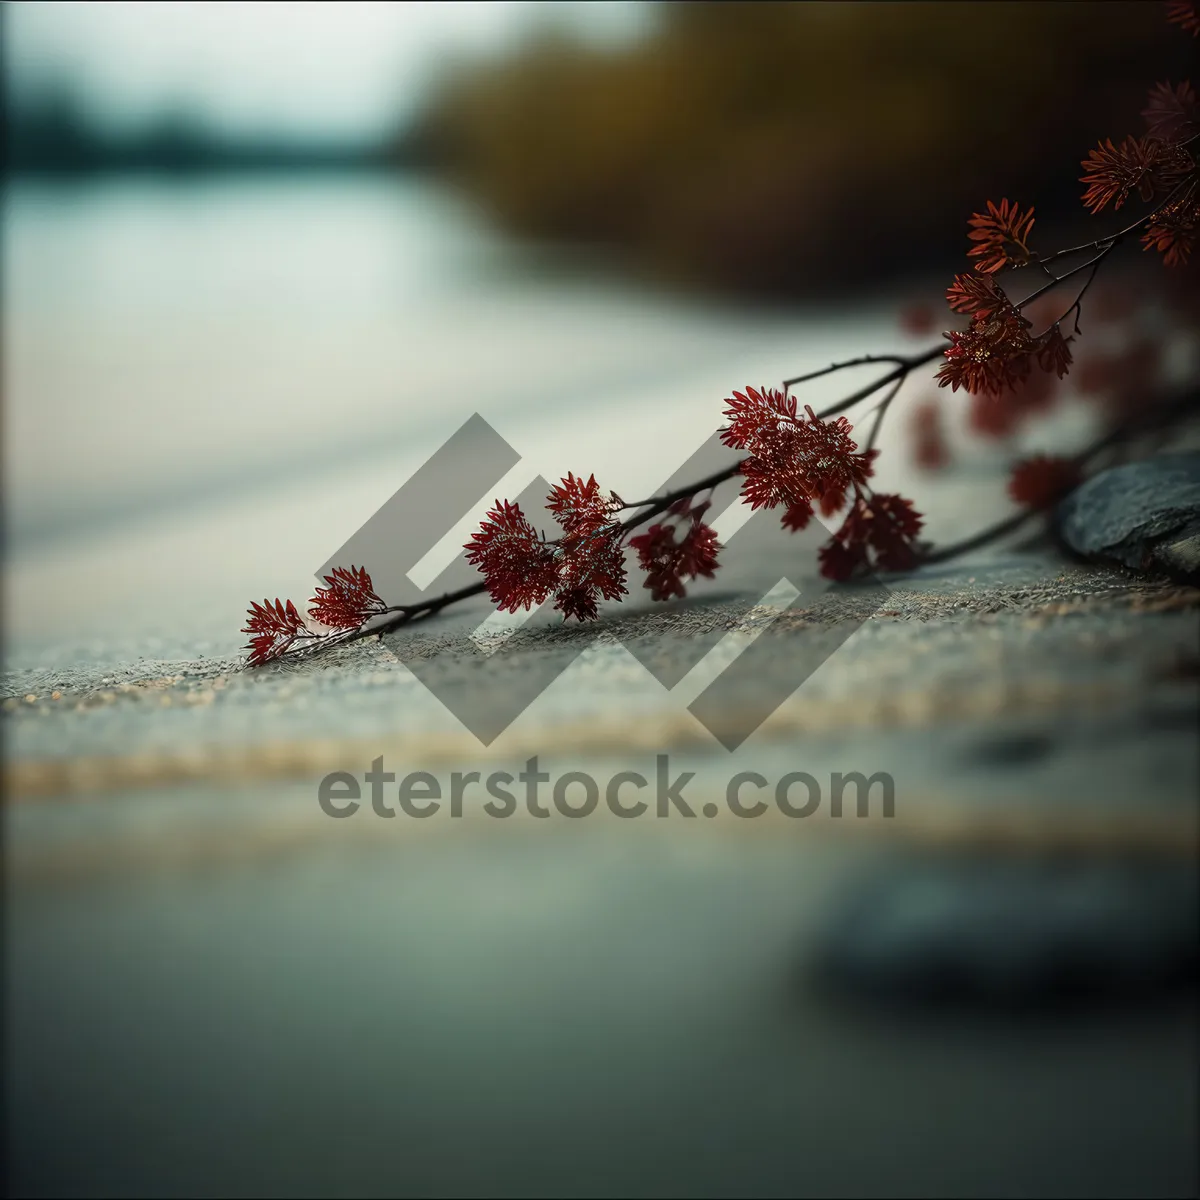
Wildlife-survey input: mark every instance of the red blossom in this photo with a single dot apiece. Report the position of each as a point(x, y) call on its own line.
point(1040, 481)
point(1184, 14)
point(591, 560)
point(276, 626)
point(580, 507)
point(895, 524)
point(1173, 232)
point(1002, 234)
point(1142, 164)
point(668, 562)
point(880, 531)
point(1171, 113)
point(348, 600)
point(793, 461)
point(592, 566)
point(522, 569)
point(991, 356)
point(750, 411)
point(519, 567)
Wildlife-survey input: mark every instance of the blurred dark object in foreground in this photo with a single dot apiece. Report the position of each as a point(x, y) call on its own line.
point(1016, 934)
point(777, 148)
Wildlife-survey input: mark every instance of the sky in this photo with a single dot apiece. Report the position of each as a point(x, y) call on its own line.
point(336, 68)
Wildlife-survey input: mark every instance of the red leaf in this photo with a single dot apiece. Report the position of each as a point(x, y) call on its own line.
point(1184, 14)
point(977, 296)
point(1172, 113)
point(1002, 235)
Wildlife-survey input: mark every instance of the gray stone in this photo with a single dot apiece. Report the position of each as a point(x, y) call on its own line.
point(997, 932)
point(1144, 515)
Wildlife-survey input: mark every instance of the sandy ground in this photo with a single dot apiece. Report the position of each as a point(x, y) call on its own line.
point(214, 986)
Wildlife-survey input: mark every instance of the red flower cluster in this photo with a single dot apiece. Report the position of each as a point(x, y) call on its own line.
point(799, 462)
point(348, 600)
point(518, 564)
point(792, 461)
point(795, 462)
point(276, 628)
point(879, 531)
point(997, 351)
point(1161, 165)
point(1173, 232)
point(1146, 165)
point(346, 603)
point(991, 356)
point(522, 569)
point(668, 561)
point(1040, 481)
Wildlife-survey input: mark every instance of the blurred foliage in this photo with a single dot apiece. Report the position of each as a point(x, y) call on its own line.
point(774, 148)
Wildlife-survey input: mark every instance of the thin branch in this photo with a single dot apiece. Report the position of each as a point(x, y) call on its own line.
point(880, 410)
point(908, 365)
point(841, 366)
point(1077, 307)
point(1115, 238)
point(1094, 263)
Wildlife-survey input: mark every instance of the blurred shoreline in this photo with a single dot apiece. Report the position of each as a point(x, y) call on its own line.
point(772, 152)
point(793, 150)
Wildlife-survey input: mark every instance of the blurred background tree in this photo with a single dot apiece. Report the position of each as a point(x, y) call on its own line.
point(778, 148)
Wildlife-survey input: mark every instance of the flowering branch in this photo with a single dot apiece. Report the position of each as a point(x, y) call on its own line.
point(798, 462)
